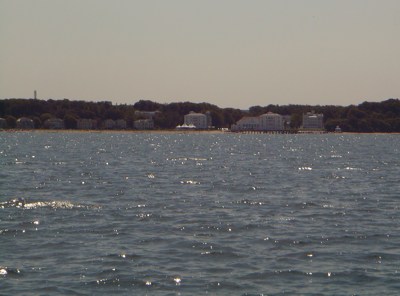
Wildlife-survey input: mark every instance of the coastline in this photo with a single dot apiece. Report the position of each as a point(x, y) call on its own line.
point(115, 131)
point(173, 131)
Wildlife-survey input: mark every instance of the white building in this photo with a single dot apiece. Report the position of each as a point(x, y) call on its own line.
point(143, 124)
point(120, 124)
point(54, 123)
point(3, 123)
point(84, 124)
point(199, 120)
point(271, 122)
point(25, 123)
point(265, 122)
point(109, 124)
point(248, 123)
point(313, 121)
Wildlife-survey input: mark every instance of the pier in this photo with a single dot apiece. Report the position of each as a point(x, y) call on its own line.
point(286, 131)
point(289, 131)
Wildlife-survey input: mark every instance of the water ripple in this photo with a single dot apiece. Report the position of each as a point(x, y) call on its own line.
point(223, 214)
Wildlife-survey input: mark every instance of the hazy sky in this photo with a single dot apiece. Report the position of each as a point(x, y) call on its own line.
point(226, 52)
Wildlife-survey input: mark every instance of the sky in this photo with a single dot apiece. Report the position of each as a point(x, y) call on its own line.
point(229, 53)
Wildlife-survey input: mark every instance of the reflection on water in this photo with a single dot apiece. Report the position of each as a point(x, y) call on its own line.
point(96, 213)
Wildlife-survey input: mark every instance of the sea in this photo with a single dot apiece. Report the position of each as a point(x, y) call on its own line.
point(125, 213)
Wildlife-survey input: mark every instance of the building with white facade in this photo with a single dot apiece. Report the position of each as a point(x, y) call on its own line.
point(86, 124)
point(25, 123)
point(120, 124)
point(199, 120)
point(143, 124)
point(3, 123)
point(54, 123)
point(265, 122)
point(247, 123)
point(271, 122)
point(313, 121)
point(109, 124)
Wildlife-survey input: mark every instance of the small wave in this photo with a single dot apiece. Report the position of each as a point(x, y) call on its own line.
point(287, 273)
point(197, 158)
point(304, 205)
point(221, 254)
point(24, 204)
point(144, 216)
point(352, 169)
point(124, 256)
point(144, 283)
point(187, 158)
point(151, 176)
point(190, 182)
point(249, 202)
point(305, 168)
point(6, 271)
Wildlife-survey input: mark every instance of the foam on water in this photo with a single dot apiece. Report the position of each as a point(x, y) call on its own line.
point(28, 205)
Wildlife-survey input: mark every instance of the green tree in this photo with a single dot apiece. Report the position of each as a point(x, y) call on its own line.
point(70, 121)
point(46, 116)
point(296, 120)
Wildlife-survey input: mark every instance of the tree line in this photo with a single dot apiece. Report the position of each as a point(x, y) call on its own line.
point(366, 117)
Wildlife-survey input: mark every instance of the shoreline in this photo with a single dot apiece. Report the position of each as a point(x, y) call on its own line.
point(115, 131)
point(176, 132)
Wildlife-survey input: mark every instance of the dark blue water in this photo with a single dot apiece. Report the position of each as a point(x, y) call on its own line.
point(195, 214)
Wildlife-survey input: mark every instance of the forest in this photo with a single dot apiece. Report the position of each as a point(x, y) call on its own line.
point(366, 117)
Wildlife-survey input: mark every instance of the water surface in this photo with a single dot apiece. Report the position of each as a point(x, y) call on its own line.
point(190, 214)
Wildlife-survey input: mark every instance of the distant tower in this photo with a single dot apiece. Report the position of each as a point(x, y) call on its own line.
point(34, 94)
